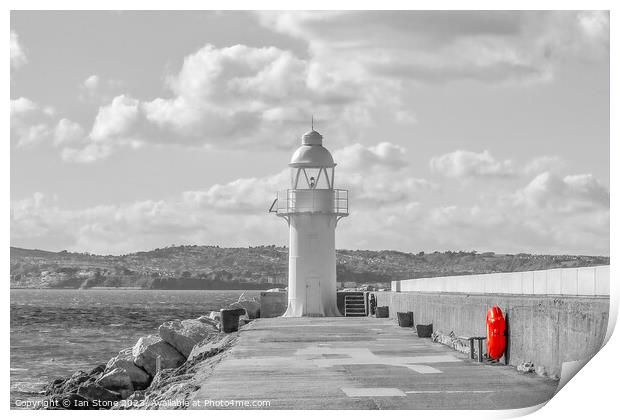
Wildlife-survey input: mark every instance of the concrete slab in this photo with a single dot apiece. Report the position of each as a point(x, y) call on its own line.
point(346, 363)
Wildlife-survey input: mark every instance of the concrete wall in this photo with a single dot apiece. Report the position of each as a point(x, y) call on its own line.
point(273, 304)
point(545, 330)
point(582, 281)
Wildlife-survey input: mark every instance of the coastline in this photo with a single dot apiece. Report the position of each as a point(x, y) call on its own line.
point(171, 380)
point(134, 378)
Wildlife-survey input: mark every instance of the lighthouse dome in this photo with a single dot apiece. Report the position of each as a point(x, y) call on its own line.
point(311, 153)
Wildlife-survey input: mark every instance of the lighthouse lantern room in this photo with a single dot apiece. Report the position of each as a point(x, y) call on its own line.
point(312, 208)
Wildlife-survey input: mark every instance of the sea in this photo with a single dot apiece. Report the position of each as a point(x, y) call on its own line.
point(55, 332)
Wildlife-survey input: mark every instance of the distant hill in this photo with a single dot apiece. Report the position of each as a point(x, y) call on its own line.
point(261, 267)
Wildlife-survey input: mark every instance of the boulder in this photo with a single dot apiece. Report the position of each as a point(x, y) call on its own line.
point(95, 392)
point(206, 319)
point(184, 335)
point(124, 360)
point(213, 315)
point(97, 370)
point(117, 380)
point(147, 349)
point(67, 385)
point(208, 348)
point(252, 307)
point(69, 401)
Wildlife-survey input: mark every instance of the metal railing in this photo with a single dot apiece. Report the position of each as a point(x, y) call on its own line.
point(311, 201)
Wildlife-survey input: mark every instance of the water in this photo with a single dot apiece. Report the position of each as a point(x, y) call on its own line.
point(56, 332)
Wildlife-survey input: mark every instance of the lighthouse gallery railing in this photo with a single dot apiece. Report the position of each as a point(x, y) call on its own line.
point(329, 201)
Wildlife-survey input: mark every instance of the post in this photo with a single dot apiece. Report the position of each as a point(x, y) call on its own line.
point(158, 363)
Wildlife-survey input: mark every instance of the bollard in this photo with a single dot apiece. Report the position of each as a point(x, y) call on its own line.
point(229, 319)
point(158, 364)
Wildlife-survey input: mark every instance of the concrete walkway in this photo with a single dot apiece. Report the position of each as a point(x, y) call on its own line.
point(359, 363)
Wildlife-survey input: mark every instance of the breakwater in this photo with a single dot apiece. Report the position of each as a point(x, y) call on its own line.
point(156, 369)
point(553, 316)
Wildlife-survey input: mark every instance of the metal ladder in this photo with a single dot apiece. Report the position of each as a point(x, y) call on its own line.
point(354, 305)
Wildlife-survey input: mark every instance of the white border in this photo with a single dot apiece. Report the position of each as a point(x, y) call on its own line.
point(594, 391)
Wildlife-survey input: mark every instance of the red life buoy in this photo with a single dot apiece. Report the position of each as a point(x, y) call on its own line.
point(496, 328)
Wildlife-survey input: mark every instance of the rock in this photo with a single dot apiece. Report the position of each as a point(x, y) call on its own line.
point(161, 377)
point(251, 307)
point(67, 385)
point(208, 348)
point(117, 380)
point(184, 335)
point(124, 360)
point(69, 401)
point(525, 367)
point(137, 396)
point(147, 349)
point(134, 401)
point(97, 370)
point(210, 321)
point(214, 315)
point(97, 393)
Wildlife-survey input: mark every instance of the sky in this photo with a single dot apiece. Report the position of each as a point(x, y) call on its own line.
point(466, 130)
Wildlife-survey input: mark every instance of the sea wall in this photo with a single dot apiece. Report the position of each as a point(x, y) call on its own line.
point(542, 329)
point(580, 281)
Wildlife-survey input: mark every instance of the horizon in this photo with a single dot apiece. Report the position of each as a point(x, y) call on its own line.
point(285, 246)
point(451, 130)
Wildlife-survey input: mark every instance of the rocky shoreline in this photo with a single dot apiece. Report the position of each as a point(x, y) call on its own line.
point(161, 371)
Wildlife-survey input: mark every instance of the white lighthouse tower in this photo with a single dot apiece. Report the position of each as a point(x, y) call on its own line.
point(312, 209)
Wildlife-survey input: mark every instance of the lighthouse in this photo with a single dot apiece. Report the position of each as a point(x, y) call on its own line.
point(312, 208)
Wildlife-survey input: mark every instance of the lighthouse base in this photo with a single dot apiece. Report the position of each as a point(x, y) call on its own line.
point(299, 310)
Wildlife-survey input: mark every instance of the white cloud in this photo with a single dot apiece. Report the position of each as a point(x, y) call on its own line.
point(549, 215)
point(68, 132)
point(541, 164)
point(29, 122)
point(571, 194)
point(97, 89)
point(595, 24)
point(90, 153)
point(358, 157)
point(433, 46)
point(91, 83)
point(465, 164)
point(21, 106)
point(18, 55)
point(116, 120)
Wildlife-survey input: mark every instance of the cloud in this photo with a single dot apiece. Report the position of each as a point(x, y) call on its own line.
point(68, 132)
point(233, 96)
point(571, 194)
point(114, 122)
point(357, 65)
point(464, 164)
point(358, 157)
point(595, 24)
point(96, 89)
point(30, 123)
point(21, 106)
point(91, 83)
point(436, 47)
point(18, 54)
point(550, 214)
point(541, 164)
point(114, 126)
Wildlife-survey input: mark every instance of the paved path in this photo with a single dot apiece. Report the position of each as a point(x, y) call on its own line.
point(361, 363)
